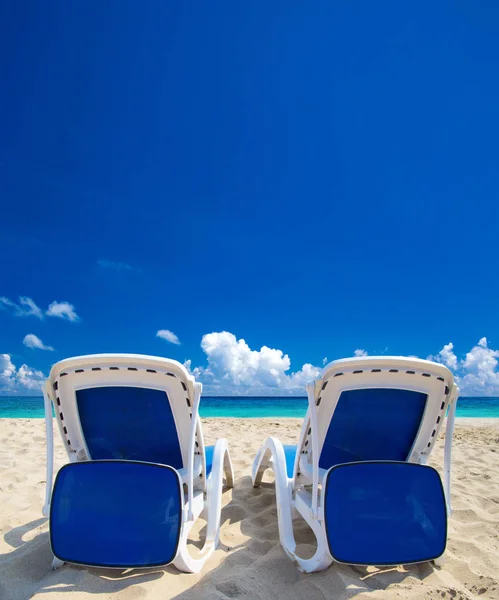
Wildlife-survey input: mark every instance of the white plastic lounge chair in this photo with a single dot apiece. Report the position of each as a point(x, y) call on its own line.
point(378, 416)
point(140, 474)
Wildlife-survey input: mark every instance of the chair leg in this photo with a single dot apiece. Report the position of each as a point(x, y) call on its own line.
point(262, 462)
point(57, 564)
point(211, 509)
point(228, 470)
point(271, 455)
point(440, 561)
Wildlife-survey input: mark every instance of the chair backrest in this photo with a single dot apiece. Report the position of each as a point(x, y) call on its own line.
point(125, 406)
point(376, 408)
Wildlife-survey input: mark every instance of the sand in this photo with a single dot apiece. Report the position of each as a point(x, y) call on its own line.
point(250, 562)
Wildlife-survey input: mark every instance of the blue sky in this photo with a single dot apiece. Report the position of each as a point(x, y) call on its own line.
point(312, 179)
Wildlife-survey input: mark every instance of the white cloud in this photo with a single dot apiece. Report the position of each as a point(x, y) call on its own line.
point(30, 308)
point(29, 379)
point(115, 265)
point(324, 360)
point(446, 356)
point(32, 341)
point(6, 367)
point(18, 381)
point(25, 308)
point(360, 352)
point(234, 368)
point(62, 310)
point(480, 375)
point(476, 374)
point(169, 336)
point(193, 371)
point(299, 379)
point(6, 303)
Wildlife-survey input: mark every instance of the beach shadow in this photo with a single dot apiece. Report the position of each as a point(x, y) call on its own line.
point(14, 537)
point(72, 578)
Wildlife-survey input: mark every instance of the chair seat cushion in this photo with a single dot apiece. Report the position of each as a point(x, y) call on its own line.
point(384, 513)
point(116, 514)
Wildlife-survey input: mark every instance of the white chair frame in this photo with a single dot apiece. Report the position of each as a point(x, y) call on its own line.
point(386, 372)
point(204, 494)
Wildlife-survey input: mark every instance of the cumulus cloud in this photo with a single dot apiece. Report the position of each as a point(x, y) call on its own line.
point(360, 352)
point(299, 379)
point(29, 379)
point(476, 373)
point(234, 368)
point(62, 310)
point(113, 265)
point(446, 356)
point(25, 308)
point(169, 336)
point(7, 369)
point(33, 341)
point(192, 370)
point(479, 370)
point(18, 381)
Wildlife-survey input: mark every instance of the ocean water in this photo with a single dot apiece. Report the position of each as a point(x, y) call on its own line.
point(242, 407)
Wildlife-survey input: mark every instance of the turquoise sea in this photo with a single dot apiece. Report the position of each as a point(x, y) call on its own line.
point(242, 407)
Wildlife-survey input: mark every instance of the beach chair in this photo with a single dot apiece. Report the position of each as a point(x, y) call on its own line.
point(358, 475)
point(139, 475)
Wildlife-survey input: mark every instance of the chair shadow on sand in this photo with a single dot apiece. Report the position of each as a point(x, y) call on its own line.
point(255, 568)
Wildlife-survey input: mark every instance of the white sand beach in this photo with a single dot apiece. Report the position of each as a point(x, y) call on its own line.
point(250, 562)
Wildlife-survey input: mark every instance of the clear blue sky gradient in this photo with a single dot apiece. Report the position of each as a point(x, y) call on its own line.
point(316, 177)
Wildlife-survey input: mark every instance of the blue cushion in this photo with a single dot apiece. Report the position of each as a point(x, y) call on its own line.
point(208, 450)
point(290, 454)
point(373, 424)
point(129, 423)
point(382, 513)
point(116, 514)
